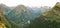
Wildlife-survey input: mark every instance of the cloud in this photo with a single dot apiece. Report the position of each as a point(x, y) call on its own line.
point(30, 2)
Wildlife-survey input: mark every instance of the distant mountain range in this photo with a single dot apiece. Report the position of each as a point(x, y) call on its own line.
point(24, 14)
point(21, 14)
point(30, 17)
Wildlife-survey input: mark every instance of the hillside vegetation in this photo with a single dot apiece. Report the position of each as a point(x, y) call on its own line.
point(50, 19)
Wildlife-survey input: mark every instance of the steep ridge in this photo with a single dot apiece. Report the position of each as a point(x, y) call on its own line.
point(24, 14)
point(4, 23)
point(19, 14)
point(5, 9)
point(49, 19)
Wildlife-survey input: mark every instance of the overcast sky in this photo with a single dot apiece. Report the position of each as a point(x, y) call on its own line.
point(31, 3)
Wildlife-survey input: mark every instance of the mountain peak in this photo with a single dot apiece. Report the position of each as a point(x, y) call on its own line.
point(2, 4)
point(20, 6)
point(57, 4)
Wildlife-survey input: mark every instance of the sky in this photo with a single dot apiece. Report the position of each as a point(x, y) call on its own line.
point(30, 3)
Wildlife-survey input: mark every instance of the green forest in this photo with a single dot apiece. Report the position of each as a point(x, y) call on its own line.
point(23, 18)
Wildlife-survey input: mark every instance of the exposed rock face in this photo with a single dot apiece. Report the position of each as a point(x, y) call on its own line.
point(57, 4)
point(1, 8)
point(4, 9)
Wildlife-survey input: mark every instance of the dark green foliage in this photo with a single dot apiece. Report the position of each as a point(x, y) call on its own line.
point(50, 19)
point(41, 23)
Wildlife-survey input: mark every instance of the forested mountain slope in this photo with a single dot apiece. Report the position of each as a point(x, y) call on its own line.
point(3, 20)
point(50, 19)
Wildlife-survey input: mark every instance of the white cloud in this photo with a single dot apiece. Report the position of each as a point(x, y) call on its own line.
point(30, 2)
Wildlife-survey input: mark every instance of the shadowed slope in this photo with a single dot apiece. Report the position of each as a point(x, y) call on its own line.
point(50, 19)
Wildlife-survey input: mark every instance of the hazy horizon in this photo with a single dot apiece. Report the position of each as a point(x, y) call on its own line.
point(30, 3)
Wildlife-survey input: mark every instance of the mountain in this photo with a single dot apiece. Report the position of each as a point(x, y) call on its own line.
point(4, 22)
point(22, 13)
point(12, 7)
point(5, 9)
point(38, 11)
point(50, 19)
point(19, 14)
